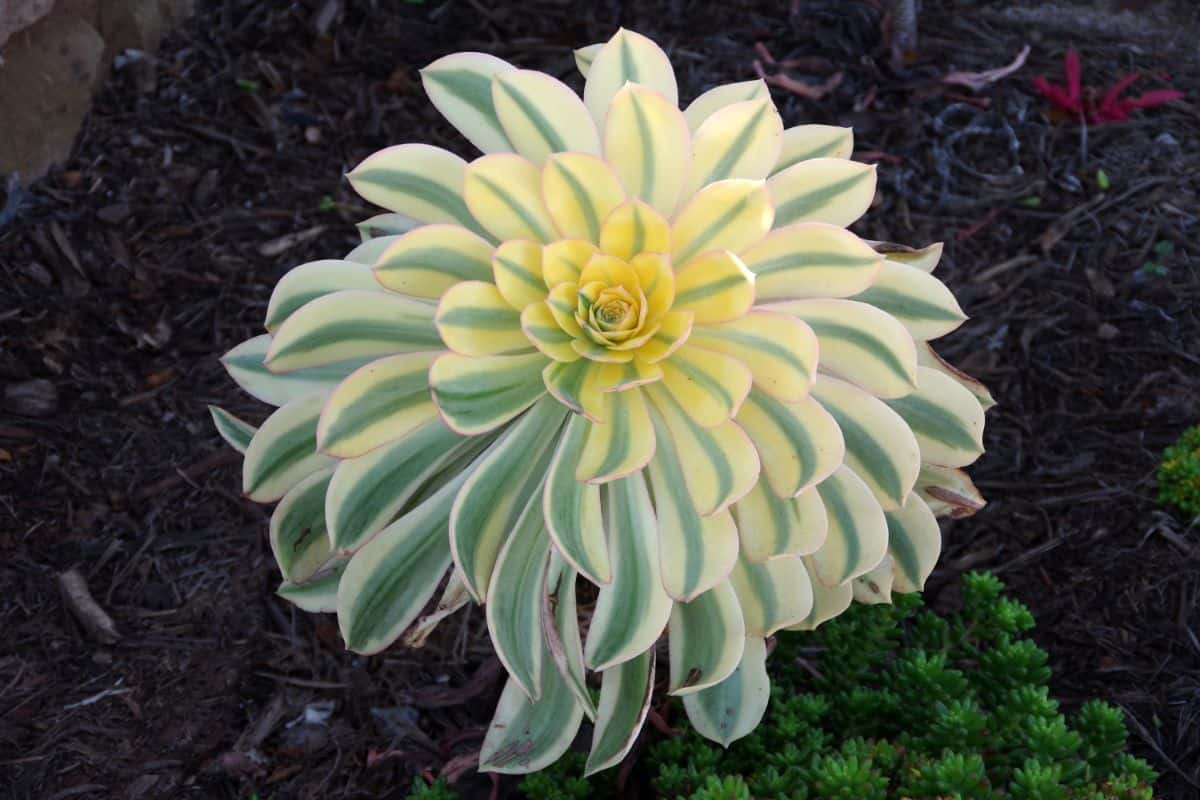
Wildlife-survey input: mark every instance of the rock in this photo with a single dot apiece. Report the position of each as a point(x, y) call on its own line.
point(17, 15)
point(46, 82)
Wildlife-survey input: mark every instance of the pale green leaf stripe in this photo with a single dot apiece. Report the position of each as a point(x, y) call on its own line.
point(873, 459)
point(731, 709)
point(707, 290)
point(621, 439)
point(325, 373)
point(715, 454)
point(233, 430)
point(900, 545)
point(872, 346)
point(298, 538)
point(646, 134)
point(509, 473)
point(697, 245)
point(538, 120)
point(706, 639)
point(445, 260)
point(590, 217)
point(807, 203)
point(629, 69)
point(795, 433)
point(389, 581)
point(833, 496)
point(906, 306)
point(572, 508)
point(758, 576)
point(525, 736)
point(406, 333)
point(531, 221)
point(737, 147)
point(934, 422)
point(667, 467)
point(424, 189)
point(624, 701)
point(316, 596)
point(639, 236)
point(806, 258)
point(283, 452)
point(817, 152)
point(514, 599)
point(386, 398)
point(245, 365)
point(374, 496)
point(550, 334)
point(476, 399)
point(473, 88)
point(384, 225)
point(523, 275)
point(490, 319)
point(749, 340)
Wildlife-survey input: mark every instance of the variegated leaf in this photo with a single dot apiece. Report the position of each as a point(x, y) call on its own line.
point(377, 404)
point(527, 736)
point(859, 343)
point(560, 626)
point(772, 595)
point(460, 86)
point(475, 395)
point(828, 601)
point(234, 431)
point(805, 142)
point(541, 115)
point(949, 492)
point(945, 417)
point(709, 385)
point(723, 96)
point(515, 596)
point(646, 139)
point(831, 190)
point(298, 538)
point(722, 463)
point(811, 259)
point(914, 543)
point(283, 451)
point(416, 180)
point(625, 692)
point(627, 58)
point(772, 527)
point(307, 282)
point(858, 536)
point(389, 580)
point(246, 364)
point(584, 56)
point(920, 301)
point(880, 447)
point(504, 192)
point(316, 596)
point(799, 444)
point(733, 708)
point(474, 319)
point(380, 225)
point(706, 637)
point(741, 140)
point(511, 472)
point(779, 350)
point(695, 552)
point(620, 445)
point(727, 215)
point(352, 324)
point(632, 611)
point(367, 492)
point(714, 287)
point(874, 588)
point(927, 357)
point(572, 508)
point(429, 260)
point(580, 191)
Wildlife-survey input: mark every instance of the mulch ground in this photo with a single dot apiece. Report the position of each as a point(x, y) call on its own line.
point(205, 172)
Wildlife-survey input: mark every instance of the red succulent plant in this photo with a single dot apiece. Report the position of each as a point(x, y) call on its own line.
point(1075, 100)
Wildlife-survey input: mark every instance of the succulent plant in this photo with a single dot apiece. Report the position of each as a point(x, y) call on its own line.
point(630, 346)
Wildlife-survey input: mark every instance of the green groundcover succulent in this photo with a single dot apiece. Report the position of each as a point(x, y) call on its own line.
point(892, 702)
point(631, 349)
point(1179, 474)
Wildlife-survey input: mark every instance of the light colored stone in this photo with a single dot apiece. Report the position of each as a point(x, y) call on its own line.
point(49, 73)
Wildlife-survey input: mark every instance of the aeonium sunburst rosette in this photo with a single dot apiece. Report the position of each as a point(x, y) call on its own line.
point(629, 346)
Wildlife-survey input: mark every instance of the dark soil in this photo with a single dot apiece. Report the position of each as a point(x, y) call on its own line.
point(130, 269)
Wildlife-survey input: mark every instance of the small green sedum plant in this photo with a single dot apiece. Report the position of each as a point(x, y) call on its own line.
point(1179, 474)
point(632, 346)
